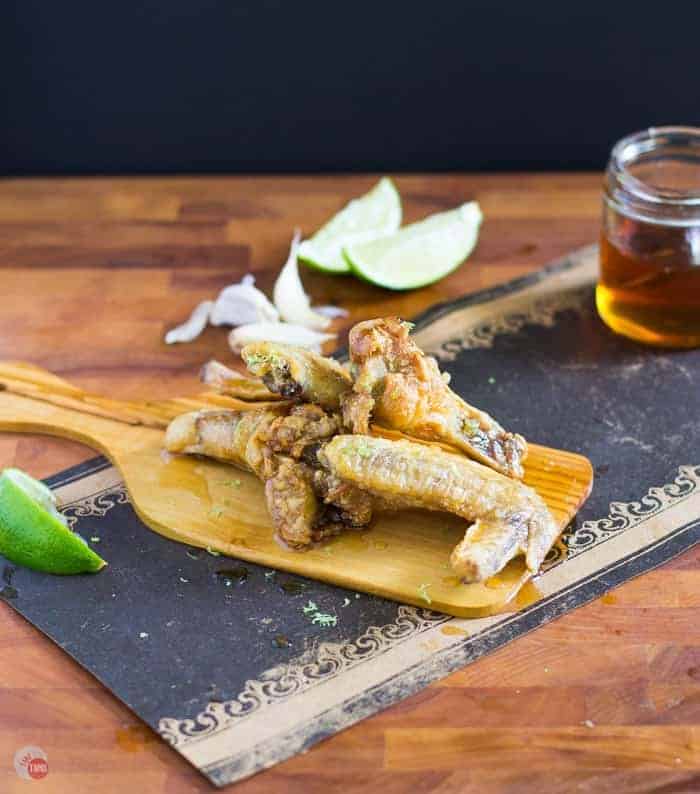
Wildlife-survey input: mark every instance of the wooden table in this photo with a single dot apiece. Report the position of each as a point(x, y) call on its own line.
point(92, 272)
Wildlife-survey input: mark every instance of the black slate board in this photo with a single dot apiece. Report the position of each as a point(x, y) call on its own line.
point(195, 653)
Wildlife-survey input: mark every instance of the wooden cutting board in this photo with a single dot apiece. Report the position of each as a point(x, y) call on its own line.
point(403, 556)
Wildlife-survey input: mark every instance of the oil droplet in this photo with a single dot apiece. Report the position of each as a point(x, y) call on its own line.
point(351, 541)
point(134, 738)
point(528, 594)
point(181, 477)
point(454, 631)
point(451, 581)
point(194, 554)
point(280, 641)
point(380, 545)
point(292, 588)
point(8, 592)
point(609, 598)
point(236, 575)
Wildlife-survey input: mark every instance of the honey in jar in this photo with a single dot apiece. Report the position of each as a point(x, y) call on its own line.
point(649, 286)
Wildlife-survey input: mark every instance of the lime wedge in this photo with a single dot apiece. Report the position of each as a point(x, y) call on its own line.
point(376, 214)
point(421, 253)
point(34, 534)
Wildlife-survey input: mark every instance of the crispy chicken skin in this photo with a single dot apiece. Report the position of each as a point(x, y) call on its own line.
point(318, 483)
point(229, 436)
point(346, 503)
point(293, 372)
point(400, 387)
point(234, 384)
point(306, 503)
point(302, 427)
point(508, 517)
point(292, 502)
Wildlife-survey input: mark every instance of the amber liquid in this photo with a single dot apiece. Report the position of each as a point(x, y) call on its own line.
point(649, 286)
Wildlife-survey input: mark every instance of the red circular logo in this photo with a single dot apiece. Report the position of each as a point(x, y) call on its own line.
point(38, 768)
point(31, 763)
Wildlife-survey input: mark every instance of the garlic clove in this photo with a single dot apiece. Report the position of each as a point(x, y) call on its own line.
point(289, 297)
point(286, 333)
point(243, 303)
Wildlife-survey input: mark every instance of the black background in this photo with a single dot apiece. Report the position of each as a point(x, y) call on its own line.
point(206, 85)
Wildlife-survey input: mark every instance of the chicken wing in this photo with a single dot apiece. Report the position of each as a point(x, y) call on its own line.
point(292, 503)
point(293, 372)
point(229, 436)
point(234, 384)
point(509, 518)
point(400, 387)
point(319, 480)
point(302, 428)
point(306, 503)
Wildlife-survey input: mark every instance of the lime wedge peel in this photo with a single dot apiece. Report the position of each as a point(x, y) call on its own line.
point(376, 214)
point(33, 532)
point(418, 254)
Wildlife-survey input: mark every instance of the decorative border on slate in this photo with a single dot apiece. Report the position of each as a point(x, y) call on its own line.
point(282, 682)
point(241, 764)
point(96, 505)
point(623, 516)
point(572, 261)
point(542, 312)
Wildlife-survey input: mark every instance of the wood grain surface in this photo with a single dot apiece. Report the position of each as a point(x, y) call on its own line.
point(93, 271)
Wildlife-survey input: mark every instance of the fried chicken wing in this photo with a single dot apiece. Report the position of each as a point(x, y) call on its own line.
point(292, 502)
point(293, 372)
point(229, 436)
point(400, 387)
point(346, 504)
point(320, 480)
point(508, 517)
point(304, 426)
point(234, 384)
point(305, 502)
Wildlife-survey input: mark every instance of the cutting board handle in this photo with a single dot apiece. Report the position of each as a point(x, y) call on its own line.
point(22, 415)
point(33, 400)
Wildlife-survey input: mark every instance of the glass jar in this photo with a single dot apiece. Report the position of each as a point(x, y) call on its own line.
point(649, 286)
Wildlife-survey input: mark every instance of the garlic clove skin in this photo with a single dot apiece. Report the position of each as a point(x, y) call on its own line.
point(331, 312)
point(192, 327)
point(241, 304)
point(289, 297)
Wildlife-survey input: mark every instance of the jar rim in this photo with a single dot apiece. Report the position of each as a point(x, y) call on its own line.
point(631, 147)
